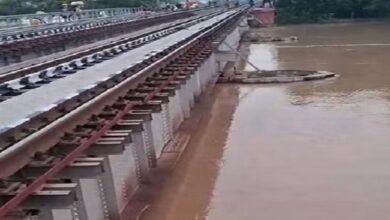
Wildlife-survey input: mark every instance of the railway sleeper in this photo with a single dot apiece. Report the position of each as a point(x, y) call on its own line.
point(50, 196)
point(151, 125)
point(110, 182)
point(86, 98)
point(82, 63)
point(144, 114)
point(82, 167)
point(49, 39)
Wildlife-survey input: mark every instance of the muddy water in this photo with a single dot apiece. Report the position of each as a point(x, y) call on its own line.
point(304, 151)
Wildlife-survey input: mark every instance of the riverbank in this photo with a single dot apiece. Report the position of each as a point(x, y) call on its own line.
point(338, 21)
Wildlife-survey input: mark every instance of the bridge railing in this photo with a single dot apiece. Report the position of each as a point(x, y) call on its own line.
point(26, 20)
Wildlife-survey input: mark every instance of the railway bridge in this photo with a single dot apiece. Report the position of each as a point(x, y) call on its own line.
point(89, 110)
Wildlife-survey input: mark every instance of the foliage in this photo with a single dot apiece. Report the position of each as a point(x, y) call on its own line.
point(9, 7)
point(301, 11)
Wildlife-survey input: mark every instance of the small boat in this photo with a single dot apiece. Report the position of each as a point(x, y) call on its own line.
point(278, 76)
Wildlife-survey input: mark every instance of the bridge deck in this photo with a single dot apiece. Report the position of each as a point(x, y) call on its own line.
point(19, 109)
point(57, 55)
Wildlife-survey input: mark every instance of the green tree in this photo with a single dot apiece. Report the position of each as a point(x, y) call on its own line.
point(301, 11)
point(354, 8)
point(9, 7)
point(298, 11)
point(380, 6)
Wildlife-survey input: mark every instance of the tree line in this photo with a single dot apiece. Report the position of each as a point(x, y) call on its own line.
point(290, 11)
point(303, 11)
point(11, 7)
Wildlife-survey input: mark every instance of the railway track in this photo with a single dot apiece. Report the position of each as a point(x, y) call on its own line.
point(11, 35)
point(29, 78)
point(21, 21)
point(18, 71)
point(22, 46)
point(99, 114)
point(28, 66)
point(15, 88)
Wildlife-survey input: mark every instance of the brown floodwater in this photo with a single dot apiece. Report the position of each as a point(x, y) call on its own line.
point(303, 151)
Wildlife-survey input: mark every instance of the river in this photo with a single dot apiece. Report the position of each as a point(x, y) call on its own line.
point(304, 151)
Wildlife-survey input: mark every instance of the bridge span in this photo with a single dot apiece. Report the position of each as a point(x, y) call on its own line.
point(81, 136)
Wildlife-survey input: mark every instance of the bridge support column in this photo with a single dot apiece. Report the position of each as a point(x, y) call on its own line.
point(156, 126)
point(184, 98)
point(225, 51)
point(141, 157)
point(176, 114)
point(243, 27)
point(166, 125)
point(158, 133)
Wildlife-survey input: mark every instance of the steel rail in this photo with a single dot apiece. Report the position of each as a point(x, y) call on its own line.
point(37, 183)
point(29, 46)
point(59, 111)
point(8, 37)
point(11, 35)
point(18, 30)
point(20, 74)
point(89, 13)
point(23, 71)
point(27, 125)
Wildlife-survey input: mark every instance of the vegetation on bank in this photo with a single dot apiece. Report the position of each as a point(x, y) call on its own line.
point(11, 7)
point(289, 11)
point(304, 11)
